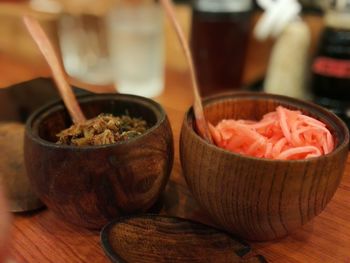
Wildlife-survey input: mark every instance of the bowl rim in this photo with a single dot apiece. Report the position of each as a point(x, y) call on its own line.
point(279, 98)
point(57, 105)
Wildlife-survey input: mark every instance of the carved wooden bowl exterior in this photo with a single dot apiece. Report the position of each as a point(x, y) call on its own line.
point(260, 199)
point(88, 186)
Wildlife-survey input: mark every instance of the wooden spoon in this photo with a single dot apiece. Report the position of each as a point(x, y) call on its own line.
point(46, 48)
point(154, 238)
point(201, 122)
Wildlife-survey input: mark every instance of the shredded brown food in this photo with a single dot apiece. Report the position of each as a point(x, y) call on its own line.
point(103, 129)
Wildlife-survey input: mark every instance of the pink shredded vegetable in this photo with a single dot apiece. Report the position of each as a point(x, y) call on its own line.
point(283, 134)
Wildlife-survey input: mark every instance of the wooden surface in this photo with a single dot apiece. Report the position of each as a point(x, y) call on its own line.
point(255, 198)
point(43, 237)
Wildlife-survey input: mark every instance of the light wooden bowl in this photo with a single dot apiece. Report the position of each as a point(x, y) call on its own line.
point(89, 186)
point(254, 198)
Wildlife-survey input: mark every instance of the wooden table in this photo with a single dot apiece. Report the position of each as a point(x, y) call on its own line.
point(42, 237)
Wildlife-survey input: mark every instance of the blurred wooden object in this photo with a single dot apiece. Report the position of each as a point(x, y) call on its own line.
point(4, 227)
point(16, 42)
point(13, 176)
point(135, 239)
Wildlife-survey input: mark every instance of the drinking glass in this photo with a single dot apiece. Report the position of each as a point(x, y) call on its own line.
point(136, 48)
point(83, 44)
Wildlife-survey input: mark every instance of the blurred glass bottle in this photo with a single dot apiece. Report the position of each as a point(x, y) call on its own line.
point(331, 66)
point(219, 38)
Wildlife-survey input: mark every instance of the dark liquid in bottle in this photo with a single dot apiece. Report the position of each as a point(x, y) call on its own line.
point(219, 44)
point(335, 44)
point(331, 72)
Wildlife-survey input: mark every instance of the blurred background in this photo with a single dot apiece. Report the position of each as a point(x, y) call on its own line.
point(18, 50)
point(130, 45)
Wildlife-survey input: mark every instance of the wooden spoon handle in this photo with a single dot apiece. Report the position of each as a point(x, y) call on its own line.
point(46, 48)
point(198, 108)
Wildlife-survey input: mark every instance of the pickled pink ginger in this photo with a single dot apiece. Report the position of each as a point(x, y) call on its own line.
point(283, 134)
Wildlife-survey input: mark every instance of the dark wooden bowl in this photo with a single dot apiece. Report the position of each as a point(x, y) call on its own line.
point(89, 186)
point(254, 198)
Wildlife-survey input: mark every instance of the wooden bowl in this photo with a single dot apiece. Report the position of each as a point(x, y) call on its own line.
point(88, 186)
point(255, 198)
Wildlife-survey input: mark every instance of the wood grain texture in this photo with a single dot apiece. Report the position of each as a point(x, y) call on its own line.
point(44, 237)
point(153, 238)
point(89, 186)
point(256, 198)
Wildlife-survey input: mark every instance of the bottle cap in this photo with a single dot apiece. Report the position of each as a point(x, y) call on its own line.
point(217, 6)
